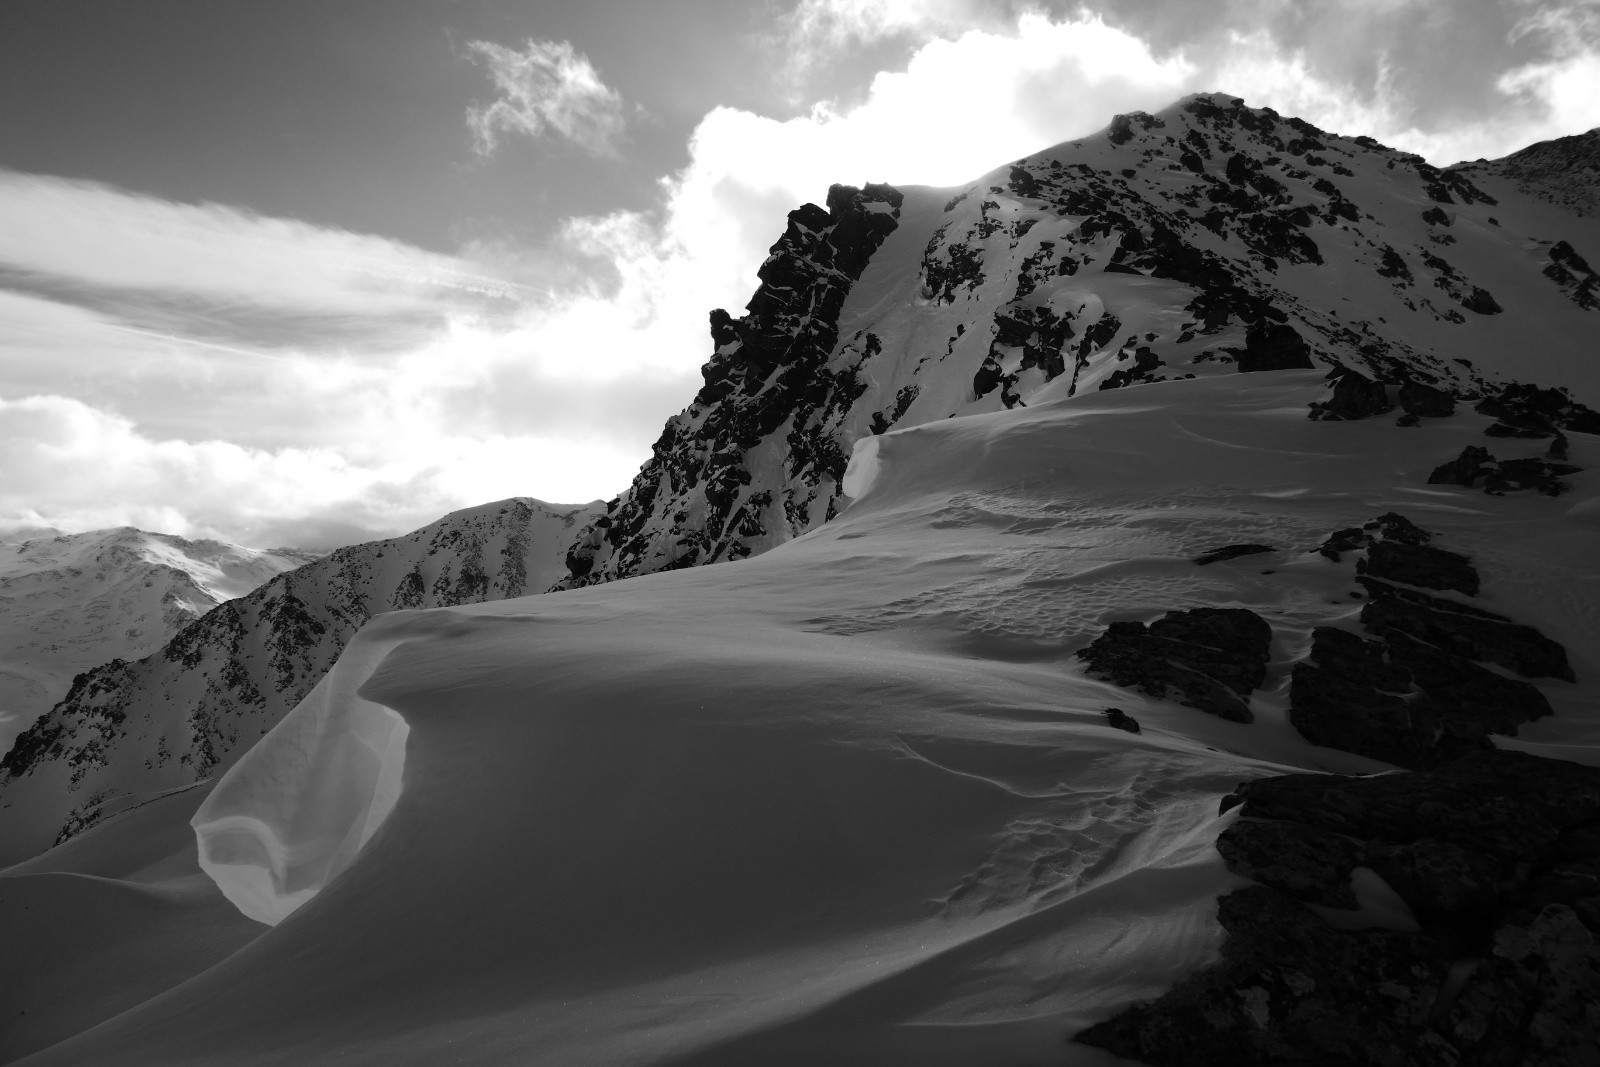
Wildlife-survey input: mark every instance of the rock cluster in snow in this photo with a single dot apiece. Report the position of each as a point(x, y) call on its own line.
point(1435, 917)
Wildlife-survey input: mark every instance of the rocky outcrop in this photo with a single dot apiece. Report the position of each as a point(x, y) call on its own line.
point(1274, 346)
point(769, 387)
point(1420, 690)
point(1355, 396)
point(1206, 658)
point(1487, 955)
point(1500, 477)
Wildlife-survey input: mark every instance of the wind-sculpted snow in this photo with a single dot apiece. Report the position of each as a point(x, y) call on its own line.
point(184, 714)
point(857, 801)
point(294, 811)
point(1209, 239)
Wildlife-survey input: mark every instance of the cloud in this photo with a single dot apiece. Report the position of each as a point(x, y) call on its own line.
point(547, 86)
point(95, 236)
point(73, 466)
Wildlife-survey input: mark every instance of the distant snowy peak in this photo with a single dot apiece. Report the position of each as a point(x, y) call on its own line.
point(226, 677)
point(74, 601)
point(1210, 238)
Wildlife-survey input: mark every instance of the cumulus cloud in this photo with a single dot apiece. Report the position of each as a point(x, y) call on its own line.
point(547, 86)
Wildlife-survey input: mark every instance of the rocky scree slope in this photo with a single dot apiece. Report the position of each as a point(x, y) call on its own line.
point(1210, 238)
point(69, 602)
point(129, 729)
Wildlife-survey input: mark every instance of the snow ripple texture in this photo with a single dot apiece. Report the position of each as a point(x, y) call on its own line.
point(297, 808)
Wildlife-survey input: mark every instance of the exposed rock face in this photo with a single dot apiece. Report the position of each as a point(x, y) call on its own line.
point(1424, 401)
point(186, 712)
point(1497, 859)
point(1355, 396)
point(1274, 346)
point(1418, 692)
point(1529, 406)
point(1206, 658)
point(767, 384)
point(1505, 476)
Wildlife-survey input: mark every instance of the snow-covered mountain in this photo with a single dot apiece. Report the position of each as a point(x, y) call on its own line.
point(69, 602)
point(132, 727)
point(1080, 534)
point(1207, 239)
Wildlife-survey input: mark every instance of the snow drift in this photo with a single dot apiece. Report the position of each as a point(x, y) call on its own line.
point(294, 811)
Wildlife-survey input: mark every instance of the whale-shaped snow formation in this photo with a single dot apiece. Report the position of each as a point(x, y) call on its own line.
point(294, 811)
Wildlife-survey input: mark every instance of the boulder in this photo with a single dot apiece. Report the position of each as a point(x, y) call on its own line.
point(1274, 346)
point(1355, 396)
point(1206, 658)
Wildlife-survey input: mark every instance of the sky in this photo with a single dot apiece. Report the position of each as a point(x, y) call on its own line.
point(310, 273)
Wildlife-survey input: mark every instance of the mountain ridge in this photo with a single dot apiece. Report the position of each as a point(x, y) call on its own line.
point(128, 728)
point(1208, 239)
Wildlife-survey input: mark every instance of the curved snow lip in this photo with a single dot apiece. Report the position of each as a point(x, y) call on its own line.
point(863, 468)
point(297, 808)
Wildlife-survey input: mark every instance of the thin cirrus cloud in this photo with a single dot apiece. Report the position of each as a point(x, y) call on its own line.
point(545, 87)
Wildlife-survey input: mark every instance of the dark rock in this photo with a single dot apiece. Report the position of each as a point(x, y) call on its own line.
point(1425, 401)
point(1417, 695)
point(1464, 631)
point(1145, 363)
point(1274, 346)
point(1523, 404)
point(1464, 469)
point(1510, 806)
point(1309, 864)
point(1122, 720)
point(1390, 526)
point(1540, 475)
point(1506, 429)
point(1217, 555)
point(1206, 658)
point(1423, 565)
point(1289, 989)
point(1355, 396)
point(1480, 302)
point(1348, 694)
point(1493, 854)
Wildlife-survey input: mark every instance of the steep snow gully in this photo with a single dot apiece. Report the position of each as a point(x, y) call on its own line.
point(1155, 618)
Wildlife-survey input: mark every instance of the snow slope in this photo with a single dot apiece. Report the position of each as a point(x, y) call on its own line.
point(74, 601)
point(853, 801)
point(130, 729)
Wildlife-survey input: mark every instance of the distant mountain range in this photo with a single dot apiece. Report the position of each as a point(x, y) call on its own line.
point(178, 705)
point(69, 602)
